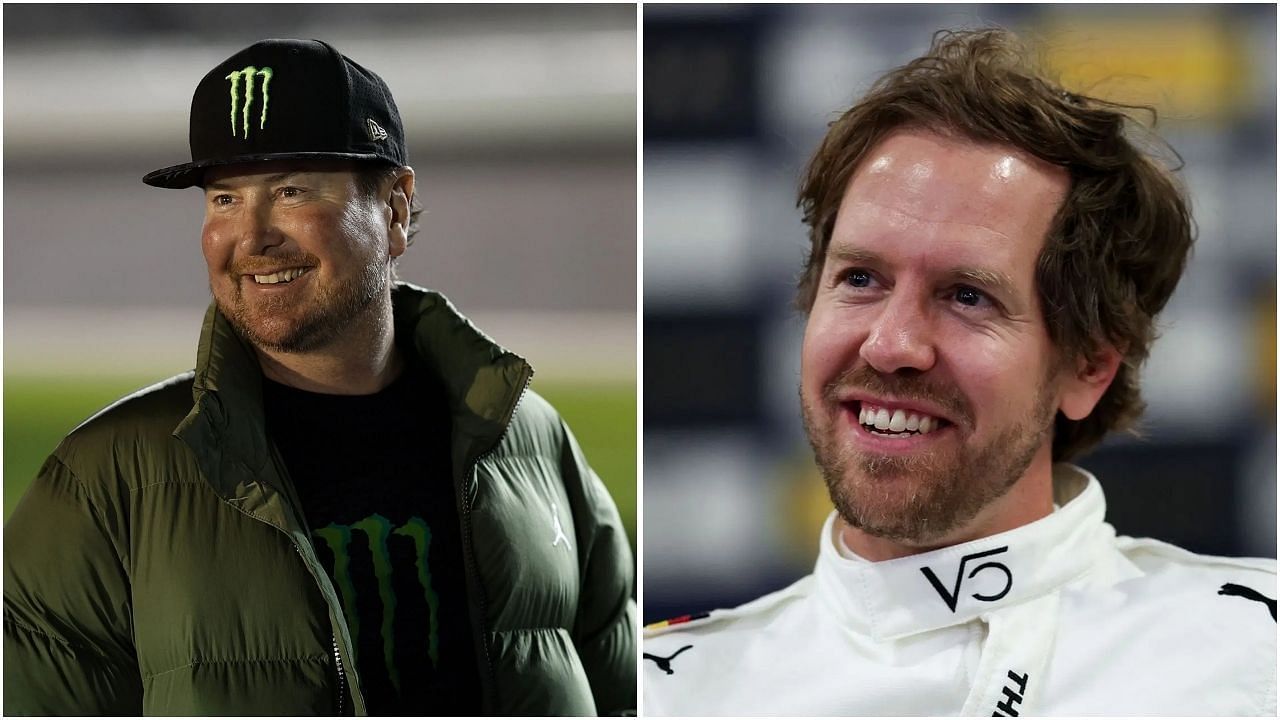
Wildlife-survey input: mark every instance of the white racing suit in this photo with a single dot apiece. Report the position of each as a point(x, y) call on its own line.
point(1057, 617)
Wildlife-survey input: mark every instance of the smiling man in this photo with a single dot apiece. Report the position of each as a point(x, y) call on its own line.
point(989, 254)
point(354, 504)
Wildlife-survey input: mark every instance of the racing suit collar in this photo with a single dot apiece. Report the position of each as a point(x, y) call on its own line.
point(957, 584)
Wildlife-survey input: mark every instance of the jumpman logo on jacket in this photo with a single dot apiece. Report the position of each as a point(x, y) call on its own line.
point(664, 663)
point(555, 525)
point(1249, 594)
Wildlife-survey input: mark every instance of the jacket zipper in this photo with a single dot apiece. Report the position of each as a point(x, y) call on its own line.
point(337, 657)
point(337, 654)
point(342, 676)
point(466, 544)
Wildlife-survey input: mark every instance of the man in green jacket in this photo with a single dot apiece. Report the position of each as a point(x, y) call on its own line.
point(354, 504)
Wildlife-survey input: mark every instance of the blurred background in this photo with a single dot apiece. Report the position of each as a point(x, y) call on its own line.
point(735, 100)
point(521, 125)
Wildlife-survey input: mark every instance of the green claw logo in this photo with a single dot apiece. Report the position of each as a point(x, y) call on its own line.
point(249, 73)
point(380, 534)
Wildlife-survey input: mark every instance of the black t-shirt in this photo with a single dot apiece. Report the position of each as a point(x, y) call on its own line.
point(374, 476)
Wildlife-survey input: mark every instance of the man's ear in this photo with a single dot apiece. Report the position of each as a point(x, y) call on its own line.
point(399, 200)
point(1084, 385)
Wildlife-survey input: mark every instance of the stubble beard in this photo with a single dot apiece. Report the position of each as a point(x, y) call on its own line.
point(331, 310)
point(920, 498)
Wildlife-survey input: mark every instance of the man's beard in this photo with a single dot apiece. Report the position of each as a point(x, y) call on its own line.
point(920, 498)
point(325, 315)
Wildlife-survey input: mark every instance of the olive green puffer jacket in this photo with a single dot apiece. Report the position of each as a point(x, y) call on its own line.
point(160, 564)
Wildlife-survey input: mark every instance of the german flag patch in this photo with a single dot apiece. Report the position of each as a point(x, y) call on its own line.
point(676, 621)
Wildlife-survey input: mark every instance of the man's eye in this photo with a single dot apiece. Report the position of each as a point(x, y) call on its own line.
point(858, 278)
point(222, 199)
point(971, 297)
point(290, 191)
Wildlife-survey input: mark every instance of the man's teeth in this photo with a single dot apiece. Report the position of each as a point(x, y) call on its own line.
point(897, 421)
point(283, 276)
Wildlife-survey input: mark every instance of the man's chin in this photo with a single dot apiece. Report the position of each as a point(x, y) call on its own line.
point(901, 499)
point(270, 331)
point(902, 525)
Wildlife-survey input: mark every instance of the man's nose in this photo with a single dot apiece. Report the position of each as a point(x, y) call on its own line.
point(901, 336)
point(257, 230)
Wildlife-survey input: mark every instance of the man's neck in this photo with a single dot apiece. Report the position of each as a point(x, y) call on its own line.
point(1030, 499)
point(362, 361)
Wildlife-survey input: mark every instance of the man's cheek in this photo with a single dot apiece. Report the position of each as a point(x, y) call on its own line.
point(826, 350)
point(216, 255)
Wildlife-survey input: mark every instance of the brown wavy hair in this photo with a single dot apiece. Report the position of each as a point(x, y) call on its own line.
point(1117, 246)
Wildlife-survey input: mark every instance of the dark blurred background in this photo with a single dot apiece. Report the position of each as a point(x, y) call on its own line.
point(735, 100)
point(521, 126)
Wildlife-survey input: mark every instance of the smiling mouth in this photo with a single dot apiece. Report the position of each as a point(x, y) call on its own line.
point(280, 278)
point(890, 422)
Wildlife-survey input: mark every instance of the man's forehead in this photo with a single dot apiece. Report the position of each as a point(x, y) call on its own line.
point(869, 228)
point(945, 176)
point(274, 170)
point(940, 198)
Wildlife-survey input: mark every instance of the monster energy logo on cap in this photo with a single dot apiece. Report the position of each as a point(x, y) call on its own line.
point(322, 111)
point(249, 73)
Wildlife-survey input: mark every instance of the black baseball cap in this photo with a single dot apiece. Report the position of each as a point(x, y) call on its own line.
point(287, 100)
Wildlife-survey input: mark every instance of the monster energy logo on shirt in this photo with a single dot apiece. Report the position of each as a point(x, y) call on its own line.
point(379, 531)
point(249, 74)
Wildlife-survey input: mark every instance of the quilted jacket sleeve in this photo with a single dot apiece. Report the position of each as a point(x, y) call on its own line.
point(605, 629)
point(67, 622)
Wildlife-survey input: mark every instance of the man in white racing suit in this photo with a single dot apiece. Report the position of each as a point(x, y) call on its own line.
point(1057, 617)
point(989, 254)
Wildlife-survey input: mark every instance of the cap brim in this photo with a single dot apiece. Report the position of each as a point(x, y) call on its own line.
point(192, 174)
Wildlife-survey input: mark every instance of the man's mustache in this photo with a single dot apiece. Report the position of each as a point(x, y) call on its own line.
point(260, 264)
point(904, 388)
